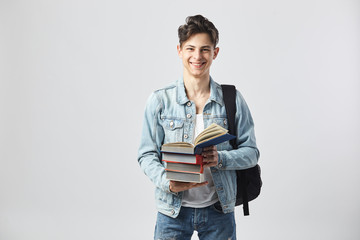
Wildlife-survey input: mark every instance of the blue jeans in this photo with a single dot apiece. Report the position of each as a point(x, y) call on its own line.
point(210, 223)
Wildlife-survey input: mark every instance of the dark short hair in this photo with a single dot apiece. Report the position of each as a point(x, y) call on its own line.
point(197, 24)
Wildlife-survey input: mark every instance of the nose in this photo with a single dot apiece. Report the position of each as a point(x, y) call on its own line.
point(197, 54)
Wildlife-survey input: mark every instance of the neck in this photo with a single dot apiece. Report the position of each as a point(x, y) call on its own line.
point(197, 87)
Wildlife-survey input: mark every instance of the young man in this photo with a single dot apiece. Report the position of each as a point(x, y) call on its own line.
point(178, 113)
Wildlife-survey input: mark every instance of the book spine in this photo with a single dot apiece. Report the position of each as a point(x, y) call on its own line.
point(198, 160)
point(183, 171)
point(202, 168)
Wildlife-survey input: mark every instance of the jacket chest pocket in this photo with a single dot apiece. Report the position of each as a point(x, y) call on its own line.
point(223, 122)
point(174, 129)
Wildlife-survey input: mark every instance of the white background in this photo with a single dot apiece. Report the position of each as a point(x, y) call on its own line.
point(75, 76)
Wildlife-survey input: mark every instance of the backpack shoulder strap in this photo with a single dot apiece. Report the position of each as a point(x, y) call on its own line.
point(229, 97)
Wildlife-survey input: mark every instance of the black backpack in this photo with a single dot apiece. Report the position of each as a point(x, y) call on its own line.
point(248, 180)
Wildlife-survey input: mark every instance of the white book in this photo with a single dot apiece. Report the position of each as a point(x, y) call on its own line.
point(185, 177)
point(184, 167)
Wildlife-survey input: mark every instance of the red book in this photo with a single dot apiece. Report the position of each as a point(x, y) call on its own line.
point(182, 158)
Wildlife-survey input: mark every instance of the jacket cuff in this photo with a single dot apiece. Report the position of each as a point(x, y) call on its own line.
point(221, 161)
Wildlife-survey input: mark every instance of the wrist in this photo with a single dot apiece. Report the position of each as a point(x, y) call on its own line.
point(171, 189)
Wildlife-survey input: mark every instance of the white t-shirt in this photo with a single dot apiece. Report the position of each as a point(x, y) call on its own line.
point(204, 196)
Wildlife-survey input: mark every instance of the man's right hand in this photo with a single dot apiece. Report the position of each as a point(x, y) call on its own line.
point(176, 186)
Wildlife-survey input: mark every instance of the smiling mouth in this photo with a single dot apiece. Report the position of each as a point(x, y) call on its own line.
point(197, 65)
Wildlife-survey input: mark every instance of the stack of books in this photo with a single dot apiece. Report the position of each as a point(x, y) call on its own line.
point(184, 161)
point(184, 167)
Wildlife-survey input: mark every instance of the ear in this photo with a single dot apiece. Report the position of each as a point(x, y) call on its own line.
point(179, 50)
point(216, 52)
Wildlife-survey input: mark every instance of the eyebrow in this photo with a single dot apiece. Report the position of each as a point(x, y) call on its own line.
point(206, 46)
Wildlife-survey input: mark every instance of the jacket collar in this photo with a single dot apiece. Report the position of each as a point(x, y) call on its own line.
point(215, 92)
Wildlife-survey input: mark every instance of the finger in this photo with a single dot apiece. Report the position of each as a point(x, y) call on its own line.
point(194, 185)
point(209, 153)
point(201, 184)
point(208, 161)
point(212, 164)
point(210, 158)
point(210, 148)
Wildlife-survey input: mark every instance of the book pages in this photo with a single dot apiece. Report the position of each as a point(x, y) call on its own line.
point(210, 132)
point(179, 144)
point(209, 138)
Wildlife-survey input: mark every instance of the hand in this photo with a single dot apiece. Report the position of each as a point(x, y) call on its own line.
point(210, 156)
point(176, 186)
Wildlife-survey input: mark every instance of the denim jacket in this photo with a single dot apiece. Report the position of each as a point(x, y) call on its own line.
point(170, 117)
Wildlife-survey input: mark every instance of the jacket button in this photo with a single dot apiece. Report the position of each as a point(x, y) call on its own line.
point(186, 136)
point(188, 115)
point(188, 104)
point(220, 165)
point(171, 124)
point(173, 212)
point(225, 122)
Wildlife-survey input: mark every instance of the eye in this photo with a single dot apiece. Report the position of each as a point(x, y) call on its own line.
point(205, 50)
point(189, 49)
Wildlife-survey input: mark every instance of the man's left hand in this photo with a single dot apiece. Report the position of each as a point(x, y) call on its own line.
point(210, 156)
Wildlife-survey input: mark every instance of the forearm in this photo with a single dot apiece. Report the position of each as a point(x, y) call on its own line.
point(246, 154)
point(238, 159)
point(149, 155)
point(152, 167)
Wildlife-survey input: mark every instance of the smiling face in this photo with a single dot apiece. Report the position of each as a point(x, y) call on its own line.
point(197, 54)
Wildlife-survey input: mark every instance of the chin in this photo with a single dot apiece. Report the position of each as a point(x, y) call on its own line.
point(198, 75)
